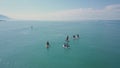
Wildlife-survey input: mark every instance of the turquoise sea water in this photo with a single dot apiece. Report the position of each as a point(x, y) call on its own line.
point(24, 47)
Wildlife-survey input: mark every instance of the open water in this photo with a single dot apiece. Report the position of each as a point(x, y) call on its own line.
point(22, 44)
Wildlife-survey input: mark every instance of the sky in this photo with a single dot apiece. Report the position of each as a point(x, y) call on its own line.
point(61, 9)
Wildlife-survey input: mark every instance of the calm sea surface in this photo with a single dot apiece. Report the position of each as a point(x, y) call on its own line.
point(22, 44)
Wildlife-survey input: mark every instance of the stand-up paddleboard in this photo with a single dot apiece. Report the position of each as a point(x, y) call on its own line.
point(67, 40)
point(47, 46)
point(64, 46)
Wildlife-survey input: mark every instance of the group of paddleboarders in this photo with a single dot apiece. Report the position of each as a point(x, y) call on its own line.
point(66, 43)
point(76, 37)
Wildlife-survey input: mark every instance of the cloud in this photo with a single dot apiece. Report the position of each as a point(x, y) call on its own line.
point(113, 7)
point(110, 12)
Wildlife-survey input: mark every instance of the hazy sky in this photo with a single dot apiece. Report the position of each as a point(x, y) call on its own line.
point(61, 9)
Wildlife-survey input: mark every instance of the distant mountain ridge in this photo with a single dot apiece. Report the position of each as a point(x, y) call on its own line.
point(3, 17)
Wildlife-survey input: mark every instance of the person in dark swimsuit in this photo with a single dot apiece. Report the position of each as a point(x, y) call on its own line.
point(78, 36)
point(74, 36)
point(47, 44)
point(67, 38)
point(66, 45)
